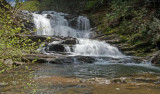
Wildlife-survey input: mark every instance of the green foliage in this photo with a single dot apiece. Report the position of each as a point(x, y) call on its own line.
point(155, 30)
point(13, 45)
point(134, 23)
point(47, 5)
point(33, 5)
point(91, 4)
point(119, 9)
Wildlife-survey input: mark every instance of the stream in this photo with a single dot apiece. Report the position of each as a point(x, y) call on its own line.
point(92, 66)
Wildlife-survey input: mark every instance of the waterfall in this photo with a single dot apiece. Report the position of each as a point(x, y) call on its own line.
point(42, 24)
point(55, 24)
point(95, 48)
point(83, 23)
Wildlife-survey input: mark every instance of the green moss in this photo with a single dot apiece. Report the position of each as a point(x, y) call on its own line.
point(111, 31)
point(135, 26)
point(124, 38)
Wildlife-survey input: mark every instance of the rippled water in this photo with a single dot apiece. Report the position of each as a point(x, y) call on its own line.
point(95, 70)
point(62, 79)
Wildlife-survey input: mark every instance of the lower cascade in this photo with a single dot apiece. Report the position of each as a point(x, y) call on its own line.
point(95, 48)
point(55, 24)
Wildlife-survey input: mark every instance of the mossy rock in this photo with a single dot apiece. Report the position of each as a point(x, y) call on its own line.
point(124, 38)
point(111, 31)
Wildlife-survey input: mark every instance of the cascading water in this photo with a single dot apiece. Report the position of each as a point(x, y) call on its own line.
point(55, 24)
point(42, 24)
point(95, 48)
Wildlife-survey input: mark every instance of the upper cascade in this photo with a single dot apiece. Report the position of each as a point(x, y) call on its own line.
point(53, 23)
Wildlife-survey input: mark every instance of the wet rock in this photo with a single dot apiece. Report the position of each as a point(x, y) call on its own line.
point(157, 82)
point(85, 59)
point(70, 16)
point(156, 59)
point(119, 80)
point(38, 12)
point(69, 42)
point(36, 38)
point(62, 60)
point(38, 58)
point(96, 81)
point(145, 80)
point(49, 16)
point(57, 48)
point(17, 63)
point(43, 38)
point(76, 59)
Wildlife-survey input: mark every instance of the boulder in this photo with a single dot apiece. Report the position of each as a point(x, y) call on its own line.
point(69, 42)
point(38, 58)
point(76, 59)
point(9, 62)
point(49, 16)
point(62, 60)
point(57, 48)
point(85, 59)
point(156, 59)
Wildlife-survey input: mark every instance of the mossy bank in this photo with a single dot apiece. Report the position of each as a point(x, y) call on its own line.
point(133, 26)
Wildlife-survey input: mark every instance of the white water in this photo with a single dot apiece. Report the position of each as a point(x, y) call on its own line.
point(57, 25)
point(42, 24)
point(96, 48)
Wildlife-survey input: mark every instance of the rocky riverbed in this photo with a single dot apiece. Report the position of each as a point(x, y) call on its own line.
point(59, 79)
